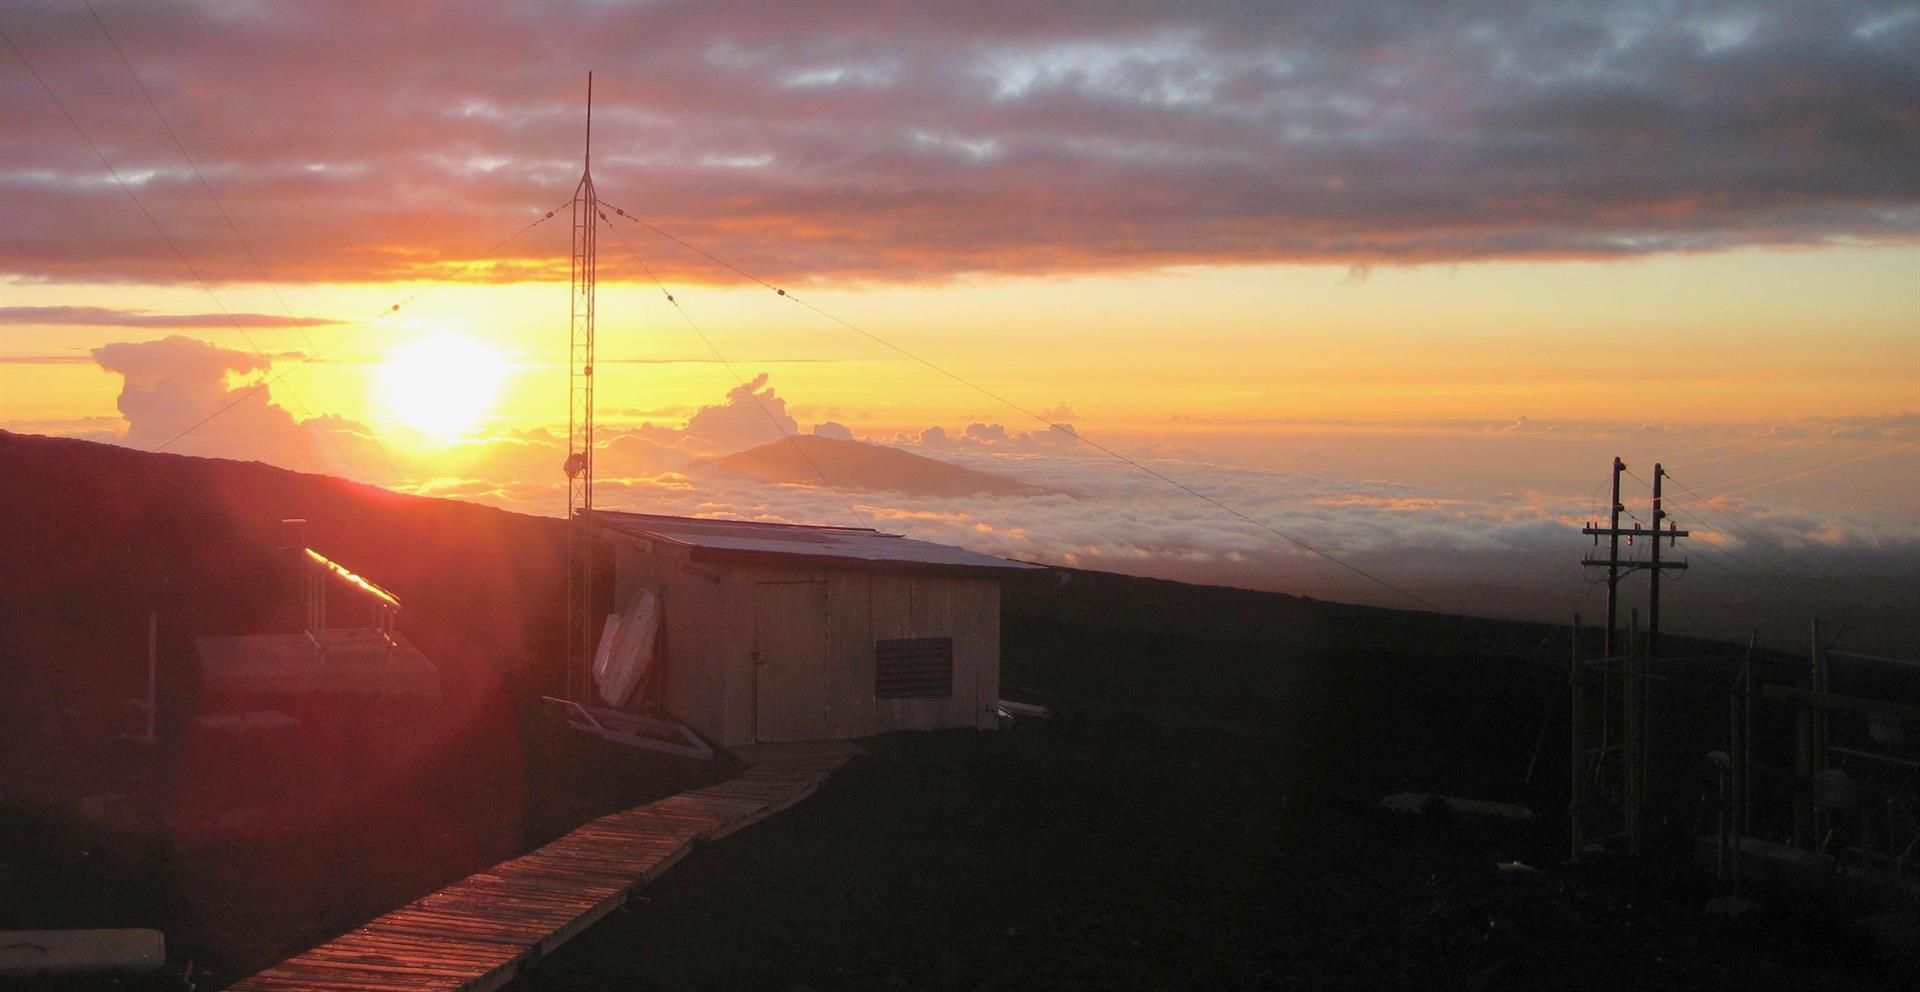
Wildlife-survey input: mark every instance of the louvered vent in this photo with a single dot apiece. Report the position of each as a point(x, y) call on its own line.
point(913, 667)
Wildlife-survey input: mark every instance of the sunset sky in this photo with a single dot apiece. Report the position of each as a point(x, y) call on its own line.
point(1398, 279)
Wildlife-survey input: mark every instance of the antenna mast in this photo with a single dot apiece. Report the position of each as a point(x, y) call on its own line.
point(579, 464)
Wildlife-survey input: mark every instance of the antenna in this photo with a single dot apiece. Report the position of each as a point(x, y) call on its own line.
point(579, 464)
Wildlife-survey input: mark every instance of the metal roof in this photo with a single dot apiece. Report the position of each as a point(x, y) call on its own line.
point(710, 538)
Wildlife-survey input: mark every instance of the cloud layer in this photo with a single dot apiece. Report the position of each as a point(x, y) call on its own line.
point(914, 142)
point(1493, 550)
point(119, 317)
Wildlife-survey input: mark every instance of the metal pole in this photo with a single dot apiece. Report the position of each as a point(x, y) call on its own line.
point(579, 464)
point(1576, 771)
point(1630, 740)
point(1613, 557)
point(1653, 580)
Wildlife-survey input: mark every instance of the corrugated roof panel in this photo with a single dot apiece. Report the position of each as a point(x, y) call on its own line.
point(855, 544)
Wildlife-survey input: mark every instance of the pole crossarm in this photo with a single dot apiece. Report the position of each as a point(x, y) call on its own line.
point(1630, 564)
point(1635, 532)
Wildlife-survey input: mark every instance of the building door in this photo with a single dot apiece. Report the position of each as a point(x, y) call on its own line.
point(790, 661)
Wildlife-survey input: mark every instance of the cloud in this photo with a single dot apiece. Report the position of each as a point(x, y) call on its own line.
point(836, 431)
point(1898, 427)
point(196, 397)
point(1475, 545)
point(170, 385)
point(752, 415)
point(112, 317)
point(810, 142)
point(991, 436)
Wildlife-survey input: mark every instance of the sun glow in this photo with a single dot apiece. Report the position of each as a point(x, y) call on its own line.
point(441, 386)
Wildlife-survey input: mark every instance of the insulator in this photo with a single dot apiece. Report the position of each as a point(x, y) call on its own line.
point(782, 292)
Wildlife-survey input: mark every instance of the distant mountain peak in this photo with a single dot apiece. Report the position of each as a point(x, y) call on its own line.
point(805, 458)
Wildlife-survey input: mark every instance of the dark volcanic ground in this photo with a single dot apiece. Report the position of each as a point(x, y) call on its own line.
point(1201, 814)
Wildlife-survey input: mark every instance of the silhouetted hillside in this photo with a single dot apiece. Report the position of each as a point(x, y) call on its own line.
point(804, 458)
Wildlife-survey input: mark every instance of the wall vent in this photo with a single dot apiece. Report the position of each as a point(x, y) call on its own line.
point(913, 667)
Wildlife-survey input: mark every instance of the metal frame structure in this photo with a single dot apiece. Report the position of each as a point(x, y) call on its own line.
point(579, 464)
point(577, 708)
point(321, 571)
point(630, 729)
point(1809, 776)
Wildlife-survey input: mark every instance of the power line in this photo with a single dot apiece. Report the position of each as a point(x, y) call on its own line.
point(1825, 468)
point(131, 195)
point(798, 449)
point(197, 174)
point(1800, 470)
point(1704, 447)
point(1756, 535)
point(389, 311)
point(1787, 587)
point(158, 229)
point(990, 394)
point(1765, 447)
point(231, 226)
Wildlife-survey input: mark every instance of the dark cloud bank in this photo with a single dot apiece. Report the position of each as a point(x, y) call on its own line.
point(902, 142)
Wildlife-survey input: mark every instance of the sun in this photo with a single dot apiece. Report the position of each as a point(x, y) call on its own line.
point(441, 386)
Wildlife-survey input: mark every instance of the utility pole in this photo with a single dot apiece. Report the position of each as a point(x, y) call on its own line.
point(1617, 566)
point(1633, 666)
point(1653, 568)
point(1613, 558)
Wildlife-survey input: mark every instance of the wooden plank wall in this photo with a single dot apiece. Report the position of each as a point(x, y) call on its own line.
point(482, 931)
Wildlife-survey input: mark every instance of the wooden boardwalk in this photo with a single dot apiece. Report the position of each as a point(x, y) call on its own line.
point(480, 932)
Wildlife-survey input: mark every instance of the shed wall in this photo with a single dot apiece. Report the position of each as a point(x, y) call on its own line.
point(693, 635)
point(864, 606)
point(716, 619)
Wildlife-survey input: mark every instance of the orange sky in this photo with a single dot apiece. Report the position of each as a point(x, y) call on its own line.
point(1733, 337)
point(1402, 277)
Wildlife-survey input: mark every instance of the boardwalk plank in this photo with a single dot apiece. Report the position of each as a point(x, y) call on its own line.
point(476, 934)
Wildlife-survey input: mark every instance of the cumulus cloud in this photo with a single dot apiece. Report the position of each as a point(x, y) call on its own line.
point(816, 141)
point(996, 437)
point(836, 431)
point(753, 414)
point(199, 398)
point(172, 384)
